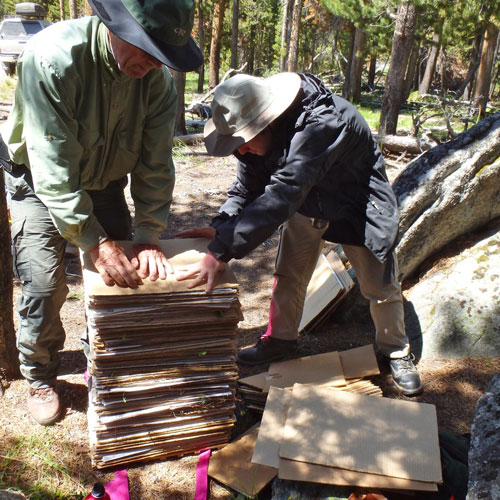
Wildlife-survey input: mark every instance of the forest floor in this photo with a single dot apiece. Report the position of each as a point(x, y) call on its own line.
point(54, 462)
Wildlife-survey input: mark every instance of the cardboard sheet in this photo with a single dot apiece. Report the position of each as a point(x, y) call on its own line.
point(181, 252)
point(362, 433)
point(320, 369)
point(359, 362)
point(266, 451)
point(328, 285)
point(232, 466)
point(355, 363)
point(302, 471)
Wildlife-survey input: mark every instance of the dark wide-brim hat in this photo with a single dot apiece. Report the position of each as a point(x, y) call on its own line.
point(159, 27)
point(243, 106)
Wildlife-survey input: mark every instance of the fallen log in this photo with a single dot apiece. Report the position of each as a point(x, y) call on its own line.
point(403, 143)
point(189, 139)
point(450, 190)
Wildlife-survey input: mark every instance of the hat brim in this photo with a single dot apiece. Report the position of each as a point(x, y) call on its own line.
point(121, 23)
point(284, 87)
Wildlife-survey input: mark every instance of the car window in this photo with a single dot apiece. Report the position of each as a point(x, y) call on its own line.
point(32, 28)
point(23, 28)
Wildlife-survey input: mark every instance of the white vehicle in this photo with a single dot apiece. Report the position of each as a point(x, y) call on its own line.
point(16, 30)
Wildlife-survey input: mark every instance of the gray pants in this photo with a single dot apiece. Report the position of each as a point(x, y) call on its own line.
point(300, 246)
point(38, 255)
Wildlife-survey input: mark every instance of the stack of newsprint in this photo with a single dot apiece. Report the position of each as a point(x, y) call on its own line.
point(162, 368)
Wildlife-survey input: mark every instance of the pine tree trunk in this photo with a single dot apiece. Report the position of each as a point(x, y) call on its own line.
point(475, 58)
point(201, 39)
point(371, 71)
point(430, 67)
point(285, 34)
point(346, 87)
point(73, 9)
point(180, 117)
point(394, 84)
point(215, 44)
point(251, 51)
point(357, 66)
point(294, 36)
point(9, 364)
point(87, 9)
point(482, 87)
point(411, 71)
point(234, 34)
point(62, 13)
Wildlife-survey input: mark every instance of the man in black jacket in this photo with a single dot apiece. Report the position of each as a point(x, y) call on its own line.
point(307, 163)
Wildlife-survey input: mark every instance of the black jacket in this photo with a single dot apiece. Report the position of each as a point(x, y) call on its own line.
point(324, 164)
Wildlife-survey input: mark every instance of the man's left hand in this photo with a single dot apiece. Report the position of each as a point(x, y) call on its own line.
point(150, 262)
point(204, 271)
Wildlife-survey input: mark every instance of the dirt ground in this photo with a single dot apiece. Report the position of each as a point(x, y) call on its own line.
point(453, 386)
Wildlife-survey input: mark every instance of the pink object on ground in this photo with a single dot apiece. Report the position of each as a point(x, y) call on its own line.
point(117, 488)
point(201, 491)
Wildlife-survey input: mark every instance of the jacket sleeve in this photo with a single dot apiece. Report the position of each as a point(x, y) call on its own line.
point(152, 180)
point(320, 140)
point(54, 151)
point(247, 186)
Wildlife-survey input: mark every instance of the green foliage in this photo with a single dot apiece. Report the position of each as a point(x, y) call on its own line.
point(7, 86)
point(36, 456)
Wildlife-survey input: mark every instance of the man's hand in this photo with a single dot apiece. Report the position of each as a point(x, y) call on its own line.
point(198, 232)
point(113, 265)
point(206, 271)
point(150, 262)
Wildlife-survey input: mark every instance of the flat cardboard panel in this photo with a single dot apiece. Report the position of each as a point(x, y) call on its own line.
point(258, 381)
point(362, 433)
point(267, 447)
point(303, 471)
point(320, 369)
point(232, 466)
point(181, 252)
point(359, 362)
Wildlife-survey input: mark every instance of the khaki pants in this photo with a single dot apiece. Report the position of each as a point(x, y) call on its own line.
point(300, 246)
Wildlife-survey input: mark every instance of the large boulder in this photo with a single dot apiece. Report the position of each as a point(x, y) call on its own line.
point(484, 453)
point(453, 312)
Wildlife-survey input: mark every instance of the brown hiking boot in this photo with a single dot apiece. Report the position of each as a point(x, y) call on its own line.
point(43, 404)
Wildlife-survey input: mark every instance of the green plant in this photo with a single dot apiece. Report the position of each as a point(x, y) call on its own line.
point(78, 294)
point(32, 464)
point(7, 86)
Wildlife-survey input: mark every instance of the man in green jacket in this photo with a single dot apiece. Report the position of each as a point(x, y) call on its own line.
point(94, 103)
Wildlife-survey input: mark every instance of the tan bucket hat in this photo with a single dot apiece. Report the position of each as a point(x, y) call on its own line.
point(245, 105)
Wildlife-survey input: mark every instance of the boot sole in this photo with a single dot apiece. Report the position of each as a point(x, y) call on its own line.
point(260, 362)
point(48, 421)
point(408, 392)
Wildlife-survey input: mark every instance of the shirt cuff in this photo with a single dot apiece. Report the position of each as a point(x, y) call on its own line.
point(94, 235)
point(144, 236)
point(218, 250)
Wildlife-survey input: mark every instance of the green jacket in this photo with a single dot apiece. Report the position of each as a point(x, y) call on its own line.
point(79, 123)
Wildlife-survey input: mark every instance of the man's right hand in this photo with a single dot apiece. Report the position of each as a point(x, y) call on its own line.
point(113, 265)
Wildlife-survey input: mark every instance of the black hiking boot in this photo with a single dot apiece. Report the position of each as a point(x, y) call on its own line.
point(266, 350)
